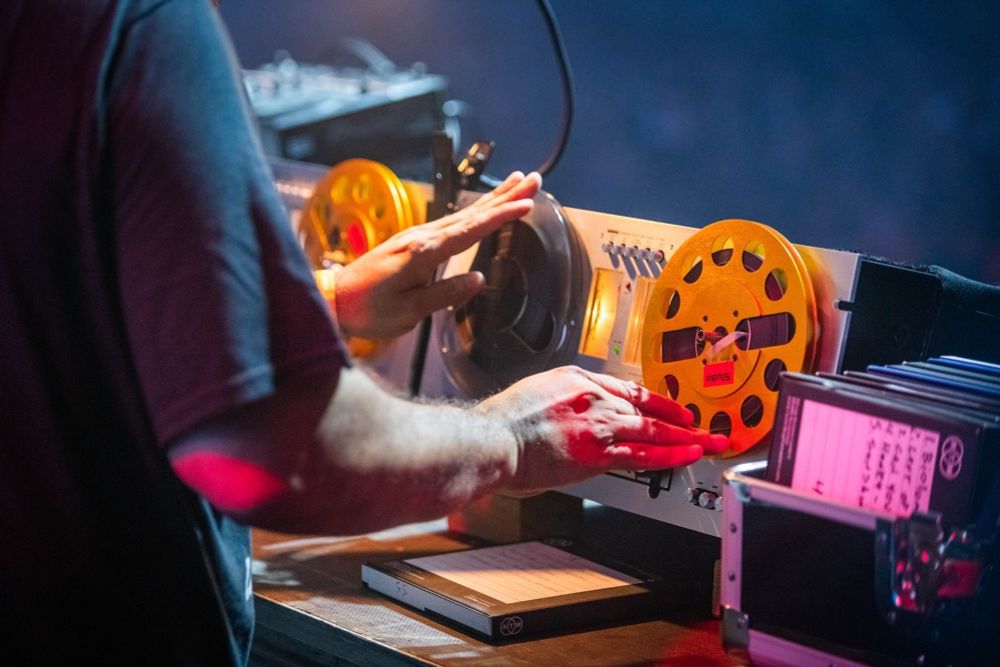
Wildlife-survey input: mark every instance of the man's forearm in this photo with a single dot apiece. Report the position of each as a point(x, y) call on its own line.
point(349, 459)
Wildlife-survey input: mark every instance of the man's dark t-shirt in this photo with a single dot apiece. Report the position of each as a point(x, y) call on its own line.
point(149, 280)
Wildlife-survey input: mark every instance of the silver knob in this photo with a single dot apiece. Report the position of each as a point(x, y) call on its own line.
point(707, 500)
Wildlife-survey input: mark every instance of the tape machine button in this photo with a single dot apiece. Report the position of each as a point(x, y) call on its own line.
point(707, 500)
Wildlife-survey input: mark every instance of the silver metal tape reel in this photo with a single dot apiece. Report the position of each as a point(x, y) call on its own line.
point(527, 318)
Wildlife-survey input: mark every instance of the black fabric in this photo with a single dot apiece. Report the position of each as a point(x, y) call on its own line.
point(148, 280)
point(967, 321)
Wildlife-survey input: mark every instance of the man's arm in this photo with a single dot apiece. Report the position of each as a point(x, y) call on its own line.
point(351, 457)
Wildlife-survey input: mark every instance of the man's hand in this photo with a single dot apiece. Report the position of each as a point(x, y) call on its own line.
point(389, 289)
point(571, 424)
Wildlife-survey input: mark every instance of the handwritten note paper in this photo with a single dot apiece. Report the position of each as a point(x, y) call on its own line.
point(863, 460)
point(521, 572)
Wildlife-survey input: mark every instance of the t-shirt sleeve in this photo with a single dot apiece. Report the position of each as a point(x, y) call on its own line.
point(218, 300)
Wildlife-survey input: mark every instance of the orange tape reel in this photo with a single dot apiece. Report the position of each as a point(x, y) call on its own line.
point(732, 309)
point(356, 206)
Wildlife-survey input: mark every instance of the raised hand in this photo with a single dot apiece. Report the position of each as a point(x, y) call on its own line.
point(389, 289)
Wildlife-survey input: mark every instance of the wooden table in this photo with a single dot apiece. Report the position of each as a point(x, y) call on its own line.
point(312, 609)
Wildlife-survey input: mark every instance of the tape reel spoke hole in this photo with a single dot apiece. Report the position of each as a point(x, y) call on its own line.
point(772, 373)
point(692, 272)
point(776, 284)
point(696, 411)
point(671, 386)
point(753, 256)
point(670, 304)
point(722, 250)
point(721, 423)
point(752, 411)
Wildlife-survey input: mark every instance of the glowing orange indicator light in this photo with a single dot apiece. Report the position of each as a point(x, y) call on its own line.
point(602, 311)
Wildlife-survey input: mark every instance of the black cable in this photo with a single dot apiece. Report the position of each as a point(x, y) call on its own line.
point(569, 98)
point(569, 95)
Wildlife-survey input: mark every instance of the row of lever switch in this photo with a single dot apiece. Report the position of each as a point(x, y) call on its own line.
point(622, 250)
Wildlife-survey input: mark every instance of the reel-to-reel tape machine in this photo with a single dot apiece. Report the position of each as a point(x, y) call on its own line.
point(710, 317)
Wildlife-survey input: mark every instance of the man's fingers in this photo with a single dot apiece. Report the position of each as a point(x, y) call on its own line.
point(512, 180)
point(509, 191)
point(641, 456)
point(516, 186)
point(712, 443)
point(649, 402)
point(476, 226)
point(452, 291)
point(524, 188)
point(661, 407)
point(456, 232)
point(657, 432)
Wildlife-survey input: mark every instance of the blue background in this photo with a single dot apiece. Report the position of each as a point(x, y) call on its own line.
point(865, 126)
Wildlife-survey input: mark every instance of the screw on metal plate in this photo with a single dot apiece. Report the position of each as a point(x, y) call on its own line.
point(735, 629)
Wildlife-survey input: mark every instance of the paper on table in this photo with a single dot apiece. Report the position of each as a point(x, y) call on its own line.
point(523, 571)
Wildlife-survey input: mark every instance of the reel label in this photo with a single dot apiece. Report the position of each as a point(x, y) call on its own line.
point(718, 374)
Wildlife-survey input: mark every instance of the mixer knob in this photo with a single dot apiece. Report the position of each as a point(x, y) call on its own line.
point(707, 499)
point(607, 247)
point(658, 256)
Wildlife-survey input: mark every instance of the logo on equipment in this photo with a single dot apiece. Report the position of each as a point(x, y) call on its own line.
point(952, 452)
point(511, 625)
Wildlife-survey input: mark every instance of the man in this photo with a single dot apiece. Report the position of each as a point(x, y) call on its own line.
point(154, 301)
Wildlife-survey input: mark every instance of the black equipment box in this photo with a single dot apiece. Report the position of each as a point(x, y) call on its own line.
point(807, 582)
point(324, 115)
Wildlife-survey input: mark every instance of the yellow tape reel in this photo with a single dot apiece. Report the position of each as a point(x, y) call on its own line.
point(732, 309)
point(356, 206)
